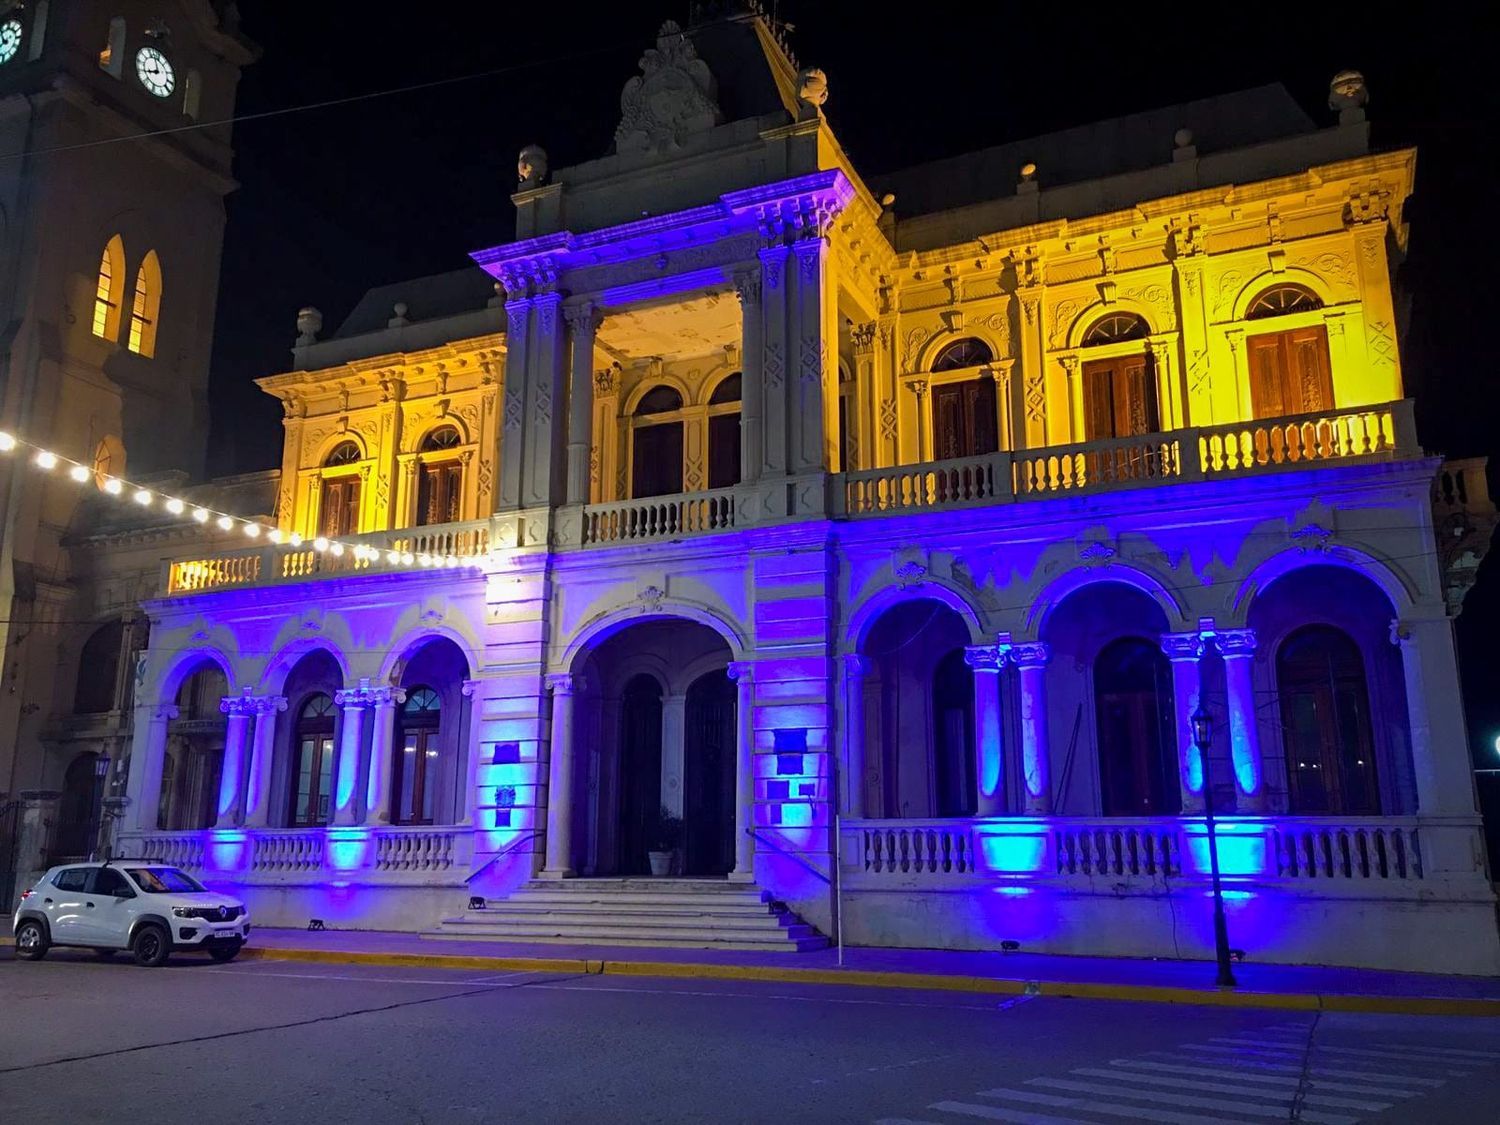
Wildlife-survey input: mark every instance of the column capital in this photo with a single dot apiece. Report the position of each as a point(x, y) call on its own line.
point(165, 713)
point(1030, 654)
point(747, 286)
point(584, 316)
point(470, 688)
point(1183, 646)
point(563, 683)
point(366, 694)
point(1235, 642)
point(741, 671)
point(248, 704)
point(917, 387)
point(855, 665)
point(986, 658)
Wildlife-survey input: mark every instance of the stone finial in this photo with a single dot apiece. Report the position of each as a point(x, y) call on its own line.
point(531, 167)
point(1027, 183)
point(309, 324)
point(812, 91)
point(398, 319)
point(1182, 145)
point(1182, 138)
point(1348, 94)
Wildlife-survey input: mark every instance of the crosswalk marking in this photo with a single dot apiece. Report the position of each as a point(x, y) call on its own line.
point(1282, 1096)
point(999, 1113)
point(1423, 1048)
point(1239, 1074)
point(1112, 1109)
point(1277, 1062)
point(1409, 1056)
point(1188, 1101)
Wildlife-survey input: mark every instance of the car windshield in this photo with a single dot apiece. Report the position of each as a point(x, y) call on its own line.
point(163, 880)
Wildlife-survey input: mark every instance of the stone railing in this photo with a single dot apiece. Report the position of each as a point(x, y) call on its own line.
point(174, 849)
point(1306, 438)
point(443, 545)
point(290, 850)
point(658, 517)
point(931, 847)
point(935, 484)
point(417, 849)
point(1116, 847)
point(1340, 849)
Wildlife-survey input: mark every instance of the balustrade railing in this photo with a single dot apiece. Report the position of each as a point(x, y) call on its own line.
point(287, 851)
point(1116, 848)
point(1098, 465)
point(936, 847)
point(1298, 440)
point(659, 517)
point(933, 484)
point(1343, 850)
point(415, 849)
point(174, 849)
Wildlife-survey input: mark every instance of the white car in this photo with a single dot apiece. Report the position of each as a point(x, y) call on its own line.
point(146, 907)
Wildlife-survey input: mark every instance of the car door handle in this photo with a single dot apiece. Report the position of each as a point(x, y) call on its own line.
point(90, 905)
point(47, 901)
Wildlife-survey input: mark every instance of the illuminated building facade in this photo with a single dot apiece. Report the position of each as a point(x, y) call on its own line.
point(886, 532)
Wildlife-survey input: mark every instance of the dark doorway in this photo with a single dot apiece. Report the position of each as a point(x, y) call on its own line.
point(1325, 717)
point(964, 419)
point(640, 772)
point(954, 790)
point(708, 781)
point(77, 815)
point(1120, 397)
point(1133, 698)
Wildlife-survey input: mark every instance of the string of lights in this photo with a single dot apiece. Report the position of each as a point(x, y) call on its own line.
point(47, 461)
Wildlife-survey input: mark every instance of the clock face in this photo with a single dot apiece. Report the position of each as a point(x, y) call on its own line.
point(10, 40)
point(154, 71)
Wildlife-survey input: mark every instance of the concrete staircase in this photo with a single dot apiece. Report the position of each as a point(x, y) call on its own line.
point(681, 913)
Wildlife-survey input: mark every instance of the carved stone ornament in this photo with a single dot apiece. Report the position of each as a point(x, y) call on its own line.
point(1096, 554)
point(531, 167)
point(1312, 538)
point(673, 97)
point(650, 598)
point(911, 573)
point(812, 86)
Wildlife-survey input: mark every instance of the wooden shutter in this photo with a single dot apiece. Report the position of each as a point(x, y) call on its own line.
point(724, 450)
point(1098, 400)
point(1311, 383)
point(656, 460)
point(982, 422)
point(947, 421)
point(1134, 397)
point(1267, 360)
point(340, 514)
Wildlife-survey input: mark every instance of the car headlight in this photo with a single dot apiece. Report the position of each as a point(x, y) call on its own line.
point(184, 911)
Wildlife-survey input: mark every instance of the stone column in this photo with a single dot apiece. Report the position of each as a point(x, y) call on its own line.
point(862, 415)
point(1237, 647)
point(232, 780)
point(542, 485)
point(856, 769)
point(346, 787)
point(384, 701)
point(1030, 660)
point(513, 404)
point(1439, 739)
point(747, 286)
point(673, 751)
point(774, 350)
point(989, 748)
point(583, 322)
point(1185, 651)
point(262, 759)
point(918, 387)
point(146, 760)
point(742, 673)
point(560, 777)
point(473, 751)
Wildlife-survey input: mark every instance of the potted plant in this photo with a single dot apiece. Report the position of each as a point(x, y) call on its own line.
point(662, 841)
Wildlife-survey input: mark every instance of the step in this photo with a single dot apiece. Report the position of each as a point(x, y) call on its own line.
point(800, 945)
point(654, 886)
point(626, 935)
point(767, 922)
point(750, 901)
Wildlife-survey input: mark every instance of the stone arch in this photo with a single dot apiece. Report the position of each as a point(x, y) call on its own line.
point(1295, 558)
point(168, 682)
point(419, 432)
point(334, 440)
point(1127, 574)
point(1098, 309)
point(869, 609)
point(650, 383)
point(280, 666)
point(402, 650)
point(603, 625)
point(940, 339)
point(1291, 275)
point(710, 382)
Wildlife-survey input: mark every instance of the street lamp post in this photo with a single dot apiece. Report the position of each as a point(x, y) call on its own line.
point(101, 774)
point(1202, 738)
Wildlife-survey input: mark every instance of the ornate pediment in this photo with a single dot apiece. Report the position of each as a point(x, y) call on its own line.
point(673, 97)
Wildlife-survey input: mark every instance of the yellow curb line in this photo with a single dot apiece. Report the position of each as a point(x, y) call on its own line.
point(936, 982)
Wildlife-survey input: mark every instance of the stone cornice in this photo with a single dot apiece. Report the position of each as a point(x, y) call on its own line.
point(367, 372)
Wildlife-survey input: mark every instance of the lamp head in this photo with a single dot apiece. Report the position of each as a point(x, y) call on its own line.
point(1202, 728)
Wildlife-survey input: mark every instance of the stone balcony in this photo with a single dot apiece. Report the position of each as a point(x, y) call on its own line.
point(1376, 433)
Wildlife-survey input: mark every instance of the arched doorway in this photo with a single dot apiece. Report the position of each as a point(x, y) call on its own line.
point(708, 777)
point(194, 759)
point(77, 814)
point(308, 734)
point(1325, 720)
point(653, 723)
point(429, 751)
point(1133, 712)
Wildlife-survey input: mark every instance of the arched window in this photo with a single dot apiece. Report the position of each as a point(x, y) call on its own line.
point(1119, 393)
point(194, 757)
point(967, 352)
point(312, 762)
point(1279, 300)
point(1290, 371)
point(78, 811)
point(98, 684)
point(109, 289)
point(1325, 722)
point(656, 444)
point(955, 790)
point(439, 477)
point(1133, 711)
point(724, 432)
point(1116, 328)
point(145, 306)
point(338, 512)
point(109, 459)
point(192, 94)
point(38, 30)
point(416, 766)
point(112, 55)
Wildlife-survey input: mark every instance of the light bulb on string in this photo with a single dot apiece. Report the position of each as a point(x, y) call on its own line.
point(274, 535)
point(46, 459)
point(335, 549)
point(79, 473)
point(295, 539)
point(320, 544)
point(142, 497)
point(7, 442)
point(226, 523)
point(114, 486)
point(200, 514)
point(252, 529)
point(175, 506)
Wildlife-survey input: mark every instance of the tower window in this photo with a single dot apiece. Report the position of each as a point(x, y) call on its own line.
point(112, 57)
point(107, 291)
point(145, 306)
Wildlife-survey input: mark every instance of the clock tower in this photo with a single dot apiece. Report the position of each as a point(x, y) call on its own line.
point(114, 163)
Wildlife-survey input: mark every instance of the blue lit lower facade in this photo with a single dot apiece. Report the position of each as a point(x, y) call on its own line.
point(966, 725)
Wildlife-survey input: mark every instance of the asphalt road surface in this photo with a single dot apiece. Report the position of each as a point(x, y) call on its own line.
point(87, 1041)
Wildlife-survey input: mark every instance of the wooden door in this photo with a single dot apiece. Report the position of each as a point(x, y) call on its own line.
point(708, 777)
point(439, 493)
point(1289, 372)
point(1120, 398)
point(724, 450)
point(340, 507)
point(964, 419)
point(656, 460)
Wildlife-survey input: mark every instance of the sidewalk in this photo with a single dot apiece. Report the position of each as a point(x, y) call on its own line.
point(1296, 987)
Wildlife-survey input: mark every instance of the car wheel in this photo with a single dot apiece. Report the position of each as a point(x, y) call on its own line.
point(150, 946)
point(226, 952)
point(31, 940)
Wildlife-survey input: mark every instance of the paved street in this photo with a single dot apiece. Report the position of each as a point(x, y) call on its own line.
point(85, 1041)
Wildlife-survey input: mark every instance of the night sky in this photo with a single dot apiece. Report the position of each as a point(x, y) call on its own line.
point(336, 201)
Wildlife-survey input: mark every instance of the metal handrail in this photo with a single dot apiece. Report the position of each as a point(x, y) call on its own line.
point(755, 835)
point(502, 853)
